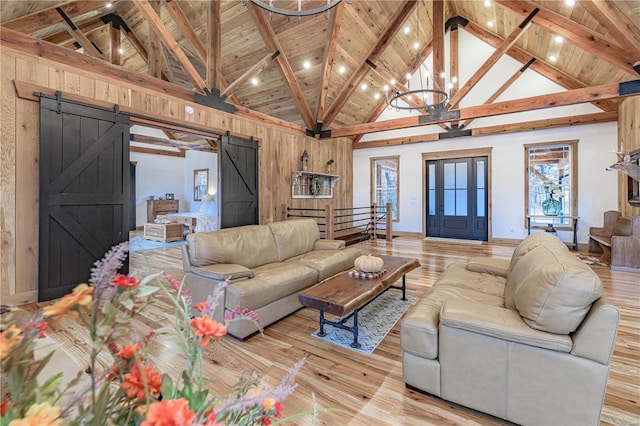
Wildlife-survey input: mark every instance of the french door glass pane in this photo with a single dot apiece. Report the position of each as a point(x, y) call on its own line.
point(432, 202)
point(461, 175)
point(461, 202)
point(480, 202)
point(449, 202)
point(480, 174)
point(432, 176)
point(449, 176)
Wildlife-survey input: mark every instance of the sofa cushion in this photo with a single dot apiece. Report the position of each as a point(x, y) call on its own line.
point(553, 290)
point(328, 262)
point(223, 271)
point(269, 283)
point(294, 237)
point(419, 327)
point(531, 242)
point(249, 246)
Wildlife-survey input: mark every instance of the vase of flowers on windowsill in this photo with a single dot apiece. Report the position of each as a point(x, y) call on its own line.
point(121, 385)
point(551, 205)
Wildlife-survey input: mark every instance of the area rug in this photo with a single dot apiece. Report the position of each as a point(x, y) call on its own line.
point(591, 260)
point(139, 244)
point(454, 241)
point(374, 322)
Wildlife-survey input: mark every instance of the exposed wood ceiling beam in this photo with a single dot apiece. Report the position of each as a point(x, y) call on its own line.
point(503, 88)
point(438, 44)
point(426, 51)
point(554, 74)
point(453, 60)
point(576, 120)
point(142, 150)
point(115, 39)
point(198, 146)
point(142, 51)
point(329, 55)
point(75, 32)
point(214, 47)
point(570, 97)
point(167, 60)
point(373, 55)
point(578, 35)
point(155, 44)
point(63, 37)
point(46, 17)
point(251, 72)
point(495, 57)
point(272, 43)
point(147, 10)
point(617, 24)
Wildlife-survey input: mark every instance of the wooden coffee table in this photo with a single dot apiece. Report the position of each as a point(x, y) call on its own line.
point(343, 294)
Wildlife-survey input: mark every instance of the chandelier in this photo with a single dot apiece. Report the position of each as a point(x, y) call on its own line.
point(423, 98)
point(299, 11)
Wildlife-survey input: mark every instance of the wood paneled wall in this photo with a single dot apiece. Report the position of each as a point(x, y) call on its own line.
point(279, 155)
point(628, 140)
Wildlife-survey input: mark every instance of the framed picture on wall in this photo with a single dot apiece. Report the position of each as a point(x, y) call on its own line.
point(169, 196)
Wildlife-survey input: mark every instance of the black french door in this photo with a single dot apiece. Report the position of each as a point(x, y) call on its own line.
point(456, 201)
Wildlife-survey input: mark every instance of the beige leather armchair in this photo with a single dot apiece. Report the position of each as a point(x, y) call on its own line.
point(527, 340)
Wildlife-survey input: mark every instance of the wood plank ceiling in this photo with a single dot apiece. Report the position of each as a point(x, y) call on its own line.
point(358, 42)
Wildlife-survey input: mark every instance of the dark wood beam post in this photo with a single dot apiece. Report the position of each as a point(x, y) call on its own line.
point(155, 48)
point(75, 32)
point(116, 38)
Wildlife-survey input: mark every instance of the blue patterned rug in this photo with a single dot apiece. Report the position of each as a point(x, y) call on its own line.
point(374, 322)
point(139, 244)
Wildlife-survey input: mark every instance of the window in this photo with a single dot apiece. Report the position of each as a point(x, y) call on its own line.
point(385, 183)
point(200, 183)
point(551, 184)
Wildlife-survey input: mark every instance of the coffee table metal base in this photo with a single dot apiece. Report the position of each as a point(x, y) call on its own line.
point(354, 329)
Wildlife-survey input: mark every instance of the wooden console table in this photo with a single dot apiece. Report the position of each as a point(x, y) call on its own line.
point(573, 226)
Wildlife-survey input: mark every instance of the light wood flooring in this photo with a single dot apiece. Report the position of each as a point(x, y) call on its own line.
point(371, 388)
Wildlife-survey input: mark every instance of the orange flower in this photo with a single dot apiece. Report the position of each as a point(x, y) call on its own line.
point(8, 338)
point(133, 383)
point(5, 404)
point(125, 281)
point(208, 328)
point(129, 351)
point(270, 404)
point(201, 306)
point(82, 295)
point(40, 415)
point(169, 412)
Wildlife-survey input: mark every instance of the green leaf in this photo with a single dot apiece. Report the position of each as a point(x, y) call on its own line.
point(127, 303)
point(108, 308)
point(104, 330)
point(166, 388)
point(119, 332)
point(149, 278)
point(147, 290)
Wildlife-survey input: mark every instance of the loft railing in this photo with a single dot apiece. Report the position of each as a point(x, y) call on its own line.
point(352, 224)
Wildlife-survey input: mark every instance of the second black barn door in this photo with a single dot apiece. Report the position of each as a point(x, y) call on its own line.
point(238, 182)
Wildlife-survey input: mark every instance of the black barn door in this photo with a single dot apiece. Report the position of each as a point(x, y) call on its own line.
point(238, 182)
point(84, 190)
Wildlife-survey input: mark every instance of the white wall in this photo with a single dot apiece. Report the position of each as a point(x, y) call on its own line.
point(196, 160)
point(597, 188)
point(157, 175)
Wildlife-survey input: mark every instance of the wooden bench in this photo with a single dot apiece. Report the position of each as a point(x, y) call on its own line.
point(617, 232)
point(625, 249)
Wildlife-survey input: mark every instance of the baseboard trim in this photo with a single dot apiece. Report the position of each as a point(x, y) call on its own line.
point(20, 298)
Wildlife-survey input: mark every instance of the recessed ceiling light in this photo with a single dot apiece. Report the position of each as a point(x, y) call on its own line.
point(442, 75)
point(108, 5)
point(553, 58)
point(416, 45)
point(450, 85)
point(407, 29)
point(342, 69)
point(490, 24)
point(570, 3)
point(454, 79)
point(386, 88)
point(364, 86)
point(121, 50)
point(558, 39)
point(408, 76)
point(487, 3)
point(393, 81)
point(376, 95)
point(254, 81)
point(306, 65)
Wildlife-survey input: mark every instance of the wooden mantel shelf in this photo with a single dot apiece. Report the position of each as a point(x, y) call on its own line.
point(306, 184)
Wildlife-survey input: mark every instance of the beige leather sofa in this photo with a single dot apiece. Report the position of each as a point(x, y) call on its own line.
point(528, 340)
point(266, 265)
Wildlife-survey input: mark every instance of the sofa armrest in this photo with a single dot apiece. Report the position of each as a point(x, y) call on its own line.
point(489, 265)
point(328, 244)
point(223, 271)
point(500, 323)
point(186, 261)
